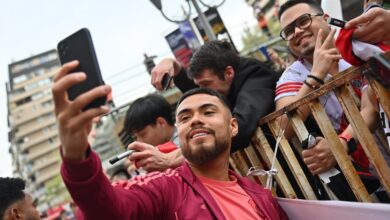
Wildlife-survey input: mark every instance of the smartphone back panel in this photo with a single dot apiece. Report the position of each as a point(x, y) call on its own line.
point(79, 46)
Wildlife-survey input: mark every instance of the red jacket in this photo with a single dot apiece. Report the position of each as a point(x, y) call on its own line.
point(173, 194)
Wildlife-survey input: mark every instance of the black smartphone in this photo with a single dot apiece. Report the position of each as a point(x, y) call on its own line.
point(166, 81)
point(336, 22)
point(380, 69)
point(79, 46)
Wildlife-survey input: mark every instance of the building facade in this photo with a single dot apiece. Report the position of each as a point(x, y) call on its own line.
point(32, 125)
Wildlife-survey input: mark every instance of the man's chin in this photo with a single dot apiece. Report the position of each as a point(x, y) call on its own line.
point(307, 52)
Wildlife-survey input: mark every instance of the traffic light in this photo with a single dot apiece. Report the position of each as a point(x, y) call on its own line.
point(149, 62)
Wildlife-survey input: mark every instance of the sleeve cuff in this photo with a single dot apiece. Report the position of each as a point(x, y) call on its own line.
point(80, 170)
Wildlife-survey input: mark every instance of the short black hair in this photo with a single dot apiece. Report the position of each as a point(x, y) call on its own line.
point(121, 171)
point(207, 91)
point(313, 4)
point(216, 56)
point(145, 110)
point(11, 190)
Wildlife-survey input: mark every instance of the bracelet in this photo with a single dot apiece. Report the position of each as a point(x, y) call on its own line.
point(310, 85)
point(316, 78)
point(351, 143)
point(372, 5)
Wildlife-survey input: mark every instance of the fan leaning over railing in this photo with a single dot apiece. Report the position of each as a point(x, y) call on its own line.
point(261, 154)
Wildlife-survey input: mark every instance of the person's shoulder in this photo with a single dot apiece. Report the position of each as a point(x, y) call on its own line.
point(295, 72)
point(255, 68)
point(154, 178)
point(343, 65)
point(247, 61)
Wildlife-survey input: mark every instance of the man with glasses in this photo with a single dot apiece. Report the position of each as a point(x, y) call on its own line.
point(310, 38)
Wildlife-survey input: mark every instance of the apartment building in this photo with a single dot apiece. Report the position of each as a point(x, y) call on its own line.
point(32, 125)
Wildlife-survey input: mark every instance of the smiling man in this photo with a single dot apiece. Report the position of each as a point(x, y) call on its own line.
point(202, 188)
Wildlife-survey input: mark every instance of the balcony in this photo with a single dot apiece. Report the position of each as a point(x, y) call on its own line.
point(27, 107)
point(15, 98)
point(32, 116)
point(44, 149)
point(37, 126)
point(38, 140)
point(54, 171)
point(45, 162)
point(35, 79)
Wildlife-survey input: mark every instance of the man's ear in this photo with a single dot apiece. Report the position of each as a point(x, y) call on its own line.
point(161, 121)
point(325, 17)
point(229, 73)
point(234, 126)
point(16, 213)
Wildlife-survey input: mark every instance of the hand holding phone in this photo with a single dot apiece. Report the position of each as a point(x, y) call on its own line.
point(79, 46)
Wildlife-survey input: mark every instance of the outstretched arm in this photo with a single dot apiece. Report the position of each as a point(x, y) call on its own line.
point(81, 168)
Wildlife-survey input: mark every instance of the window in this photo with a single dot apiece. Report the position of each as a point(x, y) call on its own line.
point(37, 96)
point(19, 79)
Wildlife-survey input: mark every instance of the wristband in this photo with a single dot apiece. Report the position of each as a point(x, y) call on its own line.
point(316, 79)
point(310, 85)
point(351, 143)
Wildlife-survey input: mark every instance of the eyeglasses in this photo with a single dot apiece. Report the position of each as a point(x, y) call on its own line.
point(302, 22)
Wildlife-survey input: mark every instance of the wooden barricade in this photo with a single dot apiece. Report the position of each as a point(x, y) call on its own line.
point(260, 153)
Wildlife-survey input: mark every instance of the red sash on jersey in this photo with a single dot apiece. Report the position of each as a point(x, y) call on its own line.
point(344, 45)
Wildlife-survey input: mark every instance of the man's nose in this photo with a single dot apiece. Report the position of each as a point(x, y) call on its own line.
point(297, 31)
point(196, 119)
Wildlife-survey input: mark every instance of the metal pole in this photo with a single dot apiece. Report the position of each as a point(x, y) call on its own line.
point(206, 25)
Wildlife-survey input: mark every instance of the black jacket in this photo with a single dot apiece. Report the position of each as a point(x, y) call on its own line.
point(251, 96)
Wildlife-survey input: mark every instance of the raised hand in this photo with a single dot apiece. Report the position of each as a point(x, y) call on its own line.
point(372, 27)
point(74, 125)
point(166, 66)
point(326, 55)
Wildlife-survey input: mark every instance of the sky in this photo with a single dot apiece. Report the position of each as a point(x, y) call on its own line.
point(122, 31)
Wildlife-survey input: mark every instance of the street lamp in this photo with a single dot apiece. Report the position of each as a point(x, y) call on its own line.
point(202, 18)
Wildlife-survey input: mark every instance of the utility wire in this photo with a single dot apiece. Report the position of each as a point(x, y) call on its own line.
point(120, 81)
point(124, 71)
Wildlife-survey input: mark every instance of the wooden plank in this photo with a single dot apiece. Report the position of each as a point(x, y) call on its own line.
point(299, 127)
point(297, 144)
point(255, 162)
point(239, 162)
point(293, 163)
point(382, 94)
point(338, 151)
point(261, 145)
point(338, 80)
point(364, 135)
point(233, 165)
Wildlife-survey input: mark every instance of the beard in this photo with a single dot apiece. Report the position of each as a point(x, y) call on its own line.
point(201, 153)
point(307, 52)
